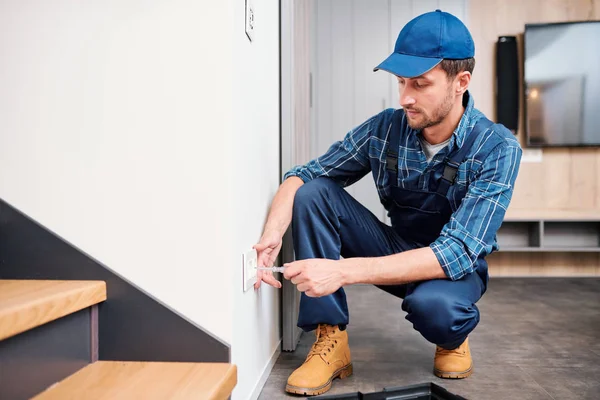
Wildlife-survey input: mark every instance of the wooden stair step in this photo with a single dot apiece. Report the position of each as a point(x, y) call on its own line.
point(26, 304)
point(115, 380)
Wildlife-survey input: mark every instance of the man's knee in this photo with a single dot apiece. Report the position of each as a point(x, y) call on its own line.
point(312, 192)
point(439, 319)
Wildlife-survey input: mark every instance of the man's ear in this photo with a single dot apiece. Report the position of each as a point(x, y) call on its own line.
point(462, 82)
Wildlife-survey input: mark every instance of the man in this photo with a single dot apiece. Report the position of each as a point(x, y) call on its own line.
point(444, 173)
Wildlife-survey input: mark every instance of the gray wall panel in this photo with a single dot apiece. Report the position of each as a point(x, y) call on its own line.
point(34, 360)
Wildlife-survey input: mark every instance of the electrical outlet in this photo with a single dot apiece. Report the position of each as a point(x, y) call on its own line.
point(249, 264)
point(250, 19)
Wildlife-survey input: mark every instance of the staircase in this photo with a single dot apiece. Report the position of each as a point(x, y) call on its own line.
point(49, 350)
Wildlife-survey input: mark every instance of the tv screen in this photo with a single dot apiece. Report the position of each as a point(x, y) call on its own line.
point(562, 84)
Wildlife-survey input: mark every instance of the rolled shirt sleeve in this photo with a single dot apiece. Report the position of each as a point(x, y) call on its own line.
point(471, 231)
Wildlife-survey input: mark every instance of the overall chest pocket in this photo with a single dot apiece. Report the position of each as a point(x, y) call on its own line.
point(418, 215)
point(417, 200)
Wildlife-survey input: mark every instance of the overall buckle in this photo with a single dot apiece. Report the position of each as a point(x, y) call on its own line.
point(391, 162)
point(450, 169)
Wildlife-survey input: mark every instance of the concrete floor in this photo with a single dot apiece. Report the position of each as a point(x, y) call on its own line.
point(538, 338)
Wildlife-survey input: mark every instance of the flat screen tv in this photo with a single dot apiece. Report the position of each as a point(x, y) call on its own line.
point(562, 84)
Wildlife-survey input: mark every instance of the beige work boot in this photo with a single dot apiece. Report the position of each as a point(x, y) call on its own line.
point(328, 358)
point(453, 364)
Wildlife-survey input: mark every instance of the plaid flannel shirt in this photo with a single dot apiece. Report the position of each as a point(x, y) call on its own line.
point(482, 190)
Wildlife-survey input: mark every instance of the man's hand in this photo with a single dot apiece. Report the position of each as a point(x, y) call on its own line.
point(267, 249)
point(316, 277)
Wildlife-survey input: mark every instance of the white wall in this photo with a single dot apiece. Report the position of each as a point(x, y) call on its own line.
point(146, 133)
point(255, 156)
point(115, 119)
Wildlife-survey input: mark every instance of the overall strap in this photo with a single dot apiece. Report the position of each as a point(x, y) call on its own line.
point(391, 157)
point(453, 162)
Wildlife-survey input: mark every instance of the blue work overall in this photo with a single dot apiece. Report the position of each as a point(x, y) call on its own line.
point(328, 222)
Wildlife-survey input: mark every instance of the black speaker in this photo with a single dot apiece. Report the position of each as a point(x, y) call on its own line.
point(507, 82)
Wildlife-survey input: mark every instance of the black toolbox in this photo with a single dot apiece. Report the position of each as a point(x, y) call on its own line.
point(425, 391)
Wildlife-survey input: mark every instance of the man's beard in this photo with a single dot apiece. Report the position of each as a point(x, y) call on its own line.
point(438, 114)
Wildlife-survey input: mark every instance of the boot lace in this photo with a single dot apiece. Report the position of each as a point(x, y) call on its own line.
point(324, 343)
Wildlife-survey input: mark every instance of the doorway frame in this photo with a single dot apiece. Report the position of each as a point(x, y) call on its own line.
point(290, 299)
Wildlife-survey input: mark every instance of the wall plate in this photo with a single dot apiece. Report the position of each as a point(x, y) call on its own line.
point(249, 264)
point(532, 156)
point(250, 19)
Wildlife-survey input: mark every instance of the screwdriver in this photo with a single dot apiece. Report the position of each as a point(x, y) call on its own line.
point(274, 269)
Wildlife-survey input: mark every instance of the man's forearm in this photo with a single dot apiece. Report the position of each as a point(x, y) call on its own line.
point(408, 266)
point(280, 214)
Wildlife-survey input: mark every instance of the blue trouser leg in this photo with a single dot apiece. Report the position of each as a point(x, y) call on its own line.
point(444, 311)
point(327, 222)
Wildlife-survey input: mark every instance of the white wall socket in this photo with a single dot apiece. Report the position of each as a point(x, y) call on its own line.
point(249, 264)
point(250, 19)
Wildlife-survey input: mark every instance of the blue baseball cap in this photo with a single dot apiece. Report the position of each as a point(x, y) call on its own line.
point(425, 41)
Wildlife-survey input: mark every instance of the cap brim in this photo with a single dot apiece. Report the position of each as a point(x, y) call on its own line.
point(407, 66)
